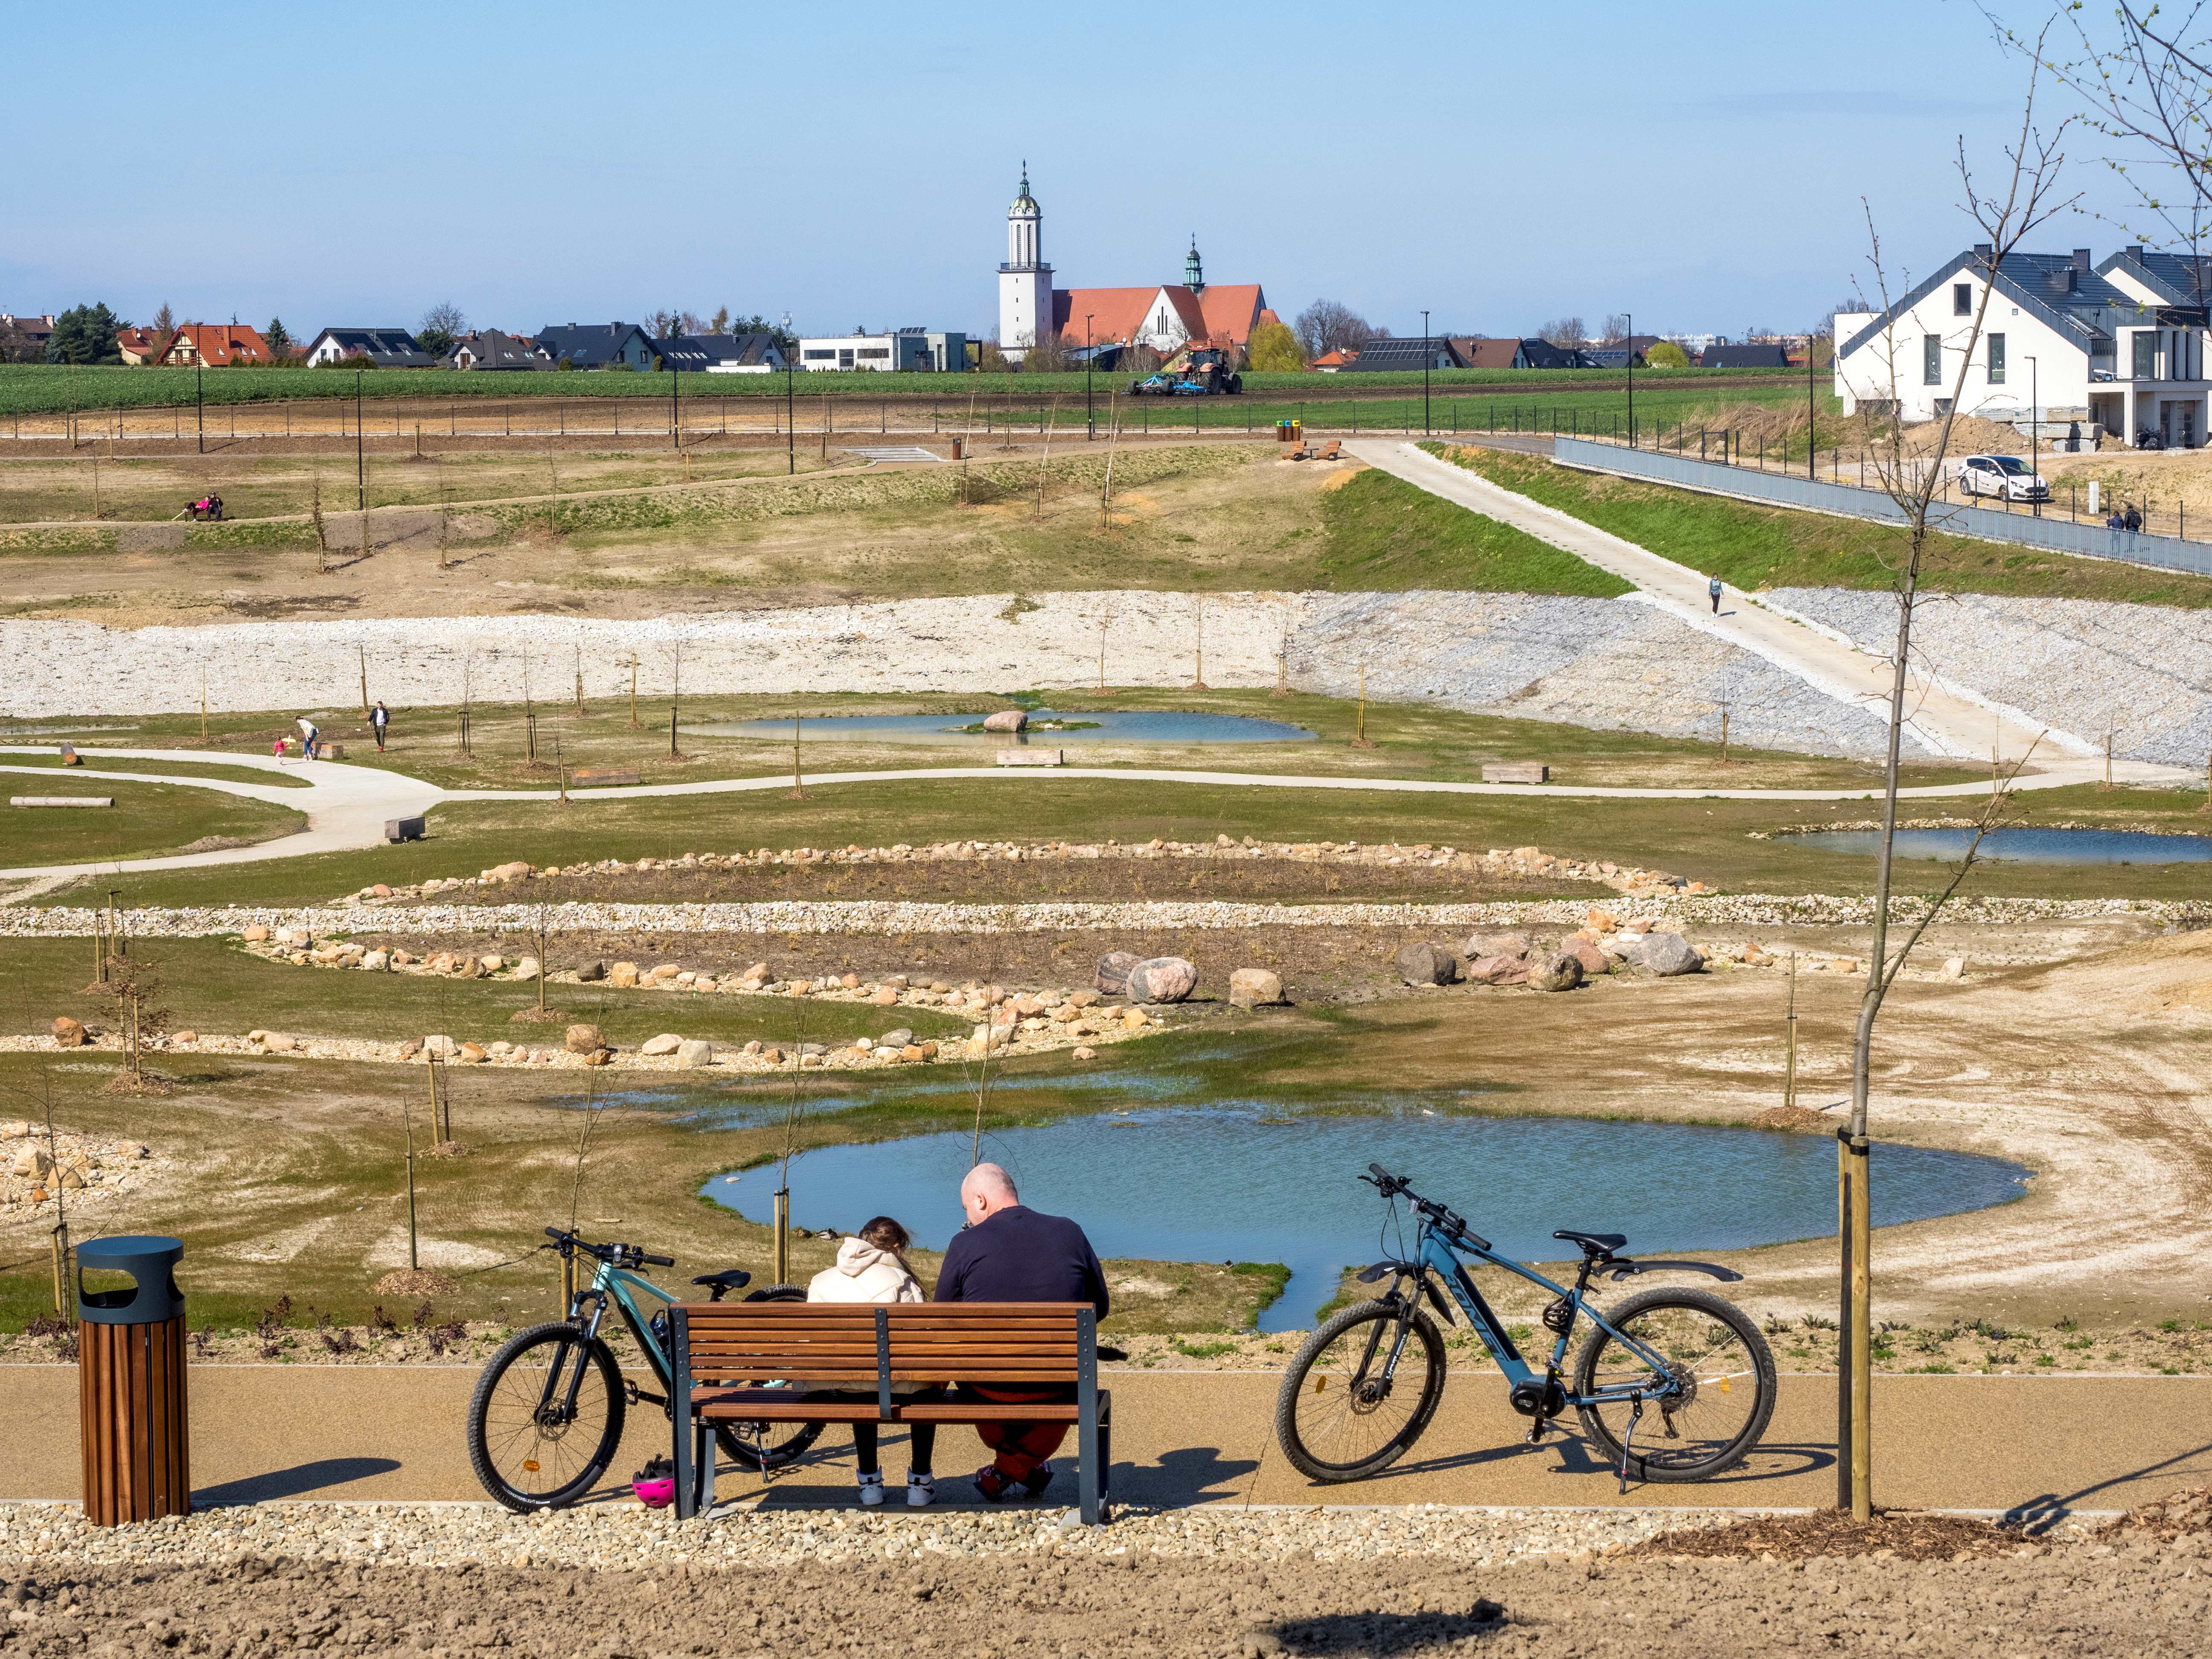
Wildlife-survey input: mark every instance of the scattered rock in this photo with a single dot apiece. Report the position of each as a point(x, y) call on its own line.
point(1954, 968)
point(884, 997)
point(1253, 988)
point(470, 1054)
point(1006, 719)
point(1113, 976)
point(1499, 970)
point(1557, 972)
point(1501, 944)
point(591, 973)
point(184, 1038)
point(1603, 921)
point(622, 975)
point(1083, 1053)
point(900, 1038)
point(376, 962)
point(666, 1043)
point(1422, 963)
point(69, 1033)
point(255, 935)
point(493, 962)
point(582, 1040)
point(1669, 954)
point(694, 1053)
point(528, 968)
point(1593, 960)
point(276, 1042)
point(1163, 979)
point(443, 1047)
point(513, 872)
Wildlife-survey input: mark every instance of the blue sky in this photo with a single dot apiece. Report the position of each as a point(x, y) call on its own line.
point(1699, 164)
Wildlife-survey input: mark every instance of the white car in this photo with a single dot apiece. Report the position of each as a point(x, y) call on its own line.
point(2006, 477)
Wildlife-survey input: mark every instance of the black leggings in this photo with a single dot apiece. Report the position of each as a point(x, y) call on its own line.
point(921, 1451)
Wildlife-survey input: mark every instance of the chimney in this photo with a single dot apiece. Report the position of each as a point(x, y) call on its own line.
point(1985, 249)
point(2134, 250)
point(2080, 258)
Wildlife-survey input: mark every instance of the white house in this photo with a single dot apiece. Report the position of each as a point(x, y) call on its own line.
point(2060, 343)
point(902, 350)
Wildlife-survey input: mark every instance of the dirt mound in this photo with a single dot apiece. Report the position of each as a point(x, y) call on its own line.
point(2184, 1514)
point(1906, 1535)
point(1969, 435)
point(1790, 1117)
point(417, 1281)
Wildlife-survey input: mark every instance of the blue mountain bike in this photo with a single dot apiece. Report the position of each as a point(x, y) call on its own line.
point(1365, 1386)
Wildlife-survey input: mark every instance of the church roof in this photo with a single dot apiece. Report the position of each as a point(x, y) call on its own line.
point(1225, 312)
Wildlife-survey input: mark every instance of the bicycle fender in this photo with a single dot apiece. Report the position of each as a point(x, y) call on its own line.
point(1624, 1269)
point(1383, 1270)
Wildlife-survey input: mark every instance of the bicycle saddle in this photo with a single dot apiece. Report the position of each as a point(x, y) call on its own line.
point(1595, 1244)
point(730, 1278)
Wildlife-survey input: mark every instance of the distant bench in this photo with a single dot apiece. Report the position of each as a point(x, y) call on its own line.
point(726, 1353)
point(1515, 772)
point(1029, 757)
point(61, 800)
point(601, 777)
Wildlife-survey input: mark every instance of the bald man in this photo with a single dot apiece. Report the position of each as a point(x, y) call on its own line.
point(1009, 1252)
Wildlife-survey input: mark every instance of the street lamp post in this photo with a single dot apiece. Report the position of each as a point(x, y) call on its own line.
point(790, 402)
point(2034, 424)
point(1427, 351)
point(199, 396)
point(675, 423)
point(1090, 416)
point(1812, 468)
point(1628, 339)
point(359, 454)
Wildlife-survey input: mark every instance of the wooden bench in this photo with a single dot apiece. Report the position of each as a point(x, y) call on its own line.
point(727, 1355)
point(1329, 449)
point(602, 777)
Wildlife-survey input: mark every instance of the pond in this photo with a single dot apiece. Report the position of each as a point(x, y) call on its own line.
point(2020, 846)
point(1109, 725)
point(1248, 1183)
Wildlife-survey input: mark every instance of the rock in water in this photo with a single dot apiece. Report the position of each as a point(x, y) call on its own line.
point(581, 1039)
point(1006, 719)
point(1422, 964)
point(1113, 977)
point(666, 1043)
point(1559, 972)
point(692, 1053)
point(1667, 954)
point(1163, 979)
point(1253, 988)
point(68, 1033)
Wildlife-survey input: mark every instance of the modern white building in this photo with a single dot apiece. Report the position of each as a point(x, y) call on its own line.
point(2118, 349)
point(902, 351)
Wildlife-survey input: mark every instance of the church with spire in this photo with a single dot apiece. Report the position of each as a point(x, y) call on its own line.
point(1165, 317)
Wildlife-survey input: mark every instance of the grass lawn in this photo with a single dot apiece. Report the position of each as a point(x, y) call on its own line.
point(148, 820)
point(1705, 839)
point(1756, 548)
point(1383, 534)
point(93, 762)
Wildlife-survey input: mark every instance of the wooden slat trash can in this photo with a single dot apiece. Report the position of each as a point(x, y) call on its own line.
point(130, 1382)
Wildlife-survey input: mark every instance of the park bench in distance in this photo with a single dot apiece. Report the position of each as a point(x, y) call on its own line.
point(724, 1352)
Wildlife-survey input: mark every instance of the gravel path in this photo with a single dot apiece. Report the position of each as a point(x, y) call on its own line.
point(2142, 672)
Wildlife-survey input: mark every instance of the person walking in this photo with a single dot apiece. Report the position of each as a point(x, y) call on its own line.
point(379, 718)
point(1713, 591)
point(1009, 1252)
point(2132, 521)
point(310, 735)
point(871, 1268)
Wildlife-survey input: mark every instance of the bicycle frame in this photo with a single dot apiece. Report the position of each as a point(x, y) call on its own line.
point(1443, 1257)
point(589, 1309)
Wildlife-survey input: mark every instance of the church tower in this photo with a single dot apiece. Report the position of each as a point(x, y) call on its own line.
point(1194, 274)
point(1024, 281)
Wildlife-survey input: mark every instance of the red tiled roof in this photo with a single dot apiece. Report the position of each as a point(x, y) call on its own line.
point(221, 344)
point(1336, 359)
point(1115, 313)
point(1224, 314)
point(1230, 310)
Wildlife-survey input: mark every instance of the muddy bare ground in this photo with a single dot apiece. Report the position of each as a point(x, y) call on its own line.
point(2075, 1599)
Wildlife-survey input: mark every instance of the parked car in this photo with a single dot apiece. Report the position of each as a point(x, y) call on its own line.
point(2006, 477)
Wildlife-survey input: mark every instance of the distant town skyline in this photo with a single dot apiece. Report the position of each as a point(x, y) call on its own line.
point(1702, 168)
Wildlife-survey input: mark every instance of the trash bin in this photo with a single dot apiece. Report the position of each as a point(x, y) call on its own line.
point(130, 1382)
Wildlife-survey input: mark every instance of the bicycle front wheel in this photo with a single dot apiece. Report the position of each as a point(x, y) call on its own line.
point(1338, 1417)
point(546, 1417)
point(1707, 1413)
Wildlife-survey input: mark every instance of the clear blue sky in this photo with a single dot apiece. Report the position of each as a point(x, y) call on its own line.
point(1700, 164)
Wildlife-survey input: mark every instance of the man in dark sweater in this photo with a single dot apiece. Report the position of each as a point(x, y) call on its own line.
point(1011, 1254)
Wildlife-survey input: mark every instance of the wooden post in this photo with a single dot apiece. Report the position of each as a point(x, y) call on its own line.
point(1789, 1026)
point(363, 650)
point(2108, 760)
point(59, 1240)
point(414, 1260)
point(797, 783)
point(633, 688)
point(783, 1235)
point(1359, 737)
point(204, 724)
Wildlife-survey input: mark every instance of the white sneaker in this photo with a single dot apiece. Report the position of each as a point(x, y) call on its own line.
point(920, 1490)
point(872, 1489)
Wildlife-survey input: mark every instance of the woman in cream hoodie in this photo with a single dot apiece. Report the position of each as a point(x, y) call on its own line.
point(871, 1268)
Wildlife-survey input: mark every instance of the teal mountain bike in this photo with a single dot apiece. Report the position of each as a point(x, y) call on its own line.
point(546, 1419)
point(1362, 1387)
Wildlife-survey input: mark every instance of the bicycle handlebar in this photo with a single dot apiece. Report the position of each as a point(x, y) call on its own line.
point(1449, 1223)
point(620, 1256)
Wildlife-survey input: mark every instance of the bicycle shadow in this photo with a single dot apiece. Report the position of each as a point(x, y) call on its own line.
point(1576, 1456)
point(2040, 1514)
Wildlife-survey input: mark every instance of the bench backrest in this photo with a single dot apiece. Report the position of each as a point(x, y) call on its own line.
point(863, 1346)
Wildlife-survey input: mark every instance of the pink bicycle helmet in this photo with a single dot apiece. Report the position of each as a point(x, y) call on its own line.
point(656, 1484)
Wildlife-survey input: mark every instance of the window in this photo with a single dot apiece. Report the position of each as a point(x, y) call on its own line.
point(1997, 359)
point(2146, 361)
point(1962, 299)
point(875, 351)
point(1931, 359)
point(822, 354)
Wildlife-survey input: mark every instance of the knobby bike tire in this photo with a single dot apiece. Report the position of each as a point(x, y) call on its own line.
point(600, 1394)
point(1424, 1347)
point(1756, 1367)
point(757, 1447)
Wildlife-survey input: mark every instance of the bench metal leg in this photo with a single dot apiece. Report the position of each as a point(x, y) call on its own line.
point(1090, 1485)
point(680, 1455)
point(703, 1461)
point(1105, 1466)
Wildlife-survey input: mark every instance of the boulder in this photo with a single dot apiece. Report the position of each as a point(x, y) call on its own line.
point(513, 872)
point(622, 975)
point(591, 973)
point(884, 997)
point(1594, 960)
point(472, 1054)
point(1163, 979)
point(376, 962)
point(1954, 968)
point(1113, 976)
point(442, 1047)
point(69, 1033)
point(277, 1044)
point(1006, 719)
point(692, 1053)
point(900, 1038)
point(1082, 1053)
point(1501, 944)
point(257, 934)
point(582, 1039)
point(528, 968)
point(181, 1038)
point(666, 1043)
point(1498, 970)
point(492, 962)
point(1422, 964)
point(1253, 988)
point(1669, 954)
point(1603, 921)
point(1557, 972)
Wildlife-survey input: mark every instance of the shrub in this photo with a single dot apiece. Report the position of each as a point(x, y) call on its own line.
point(1274, 347)
point(1666, 355)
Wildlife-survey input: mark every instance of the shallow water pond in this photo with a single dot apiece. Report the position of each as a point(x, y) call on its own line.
point(2019, 845)
point(1126, 725)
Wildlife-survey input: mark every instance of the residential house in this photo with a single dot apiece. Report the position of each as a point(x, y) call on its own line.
point(905, 350)
point(141, 346)
point(378, 347)
point(34, 331)
point(2060, 341)
point(1515, 354)
point(1342, 358)
point(216, 345)
point(1619, 353)
point(1721, 355)
point(598, 345)
point(1411, 354)
point(490, 349)
point(744, 353)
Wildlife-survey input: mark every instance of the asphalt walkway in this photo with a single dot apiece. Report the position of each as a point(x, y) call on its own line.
point(2032, 1444)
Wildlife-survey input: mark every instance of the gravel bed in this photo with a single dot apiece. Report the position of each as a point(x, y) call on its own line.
point(628, 1535)
point(2085, 667)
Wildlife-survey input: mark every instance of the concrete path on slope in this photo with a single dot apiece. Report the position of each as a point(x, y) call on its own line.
point(1948, 720)
point(347, 806)
point(2042, 1445)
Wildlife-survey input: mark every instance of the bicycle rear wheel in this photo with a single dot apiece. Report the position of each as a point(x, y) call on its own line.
point(761, 1446)
point(532, 1448)
point(1337, 1418)
point(1723, 1373)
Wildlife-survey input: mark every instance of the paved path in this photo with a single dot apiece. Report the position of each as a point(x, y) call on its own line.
point(1951, 721)
point(347, 806)
point(1973, 1443)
